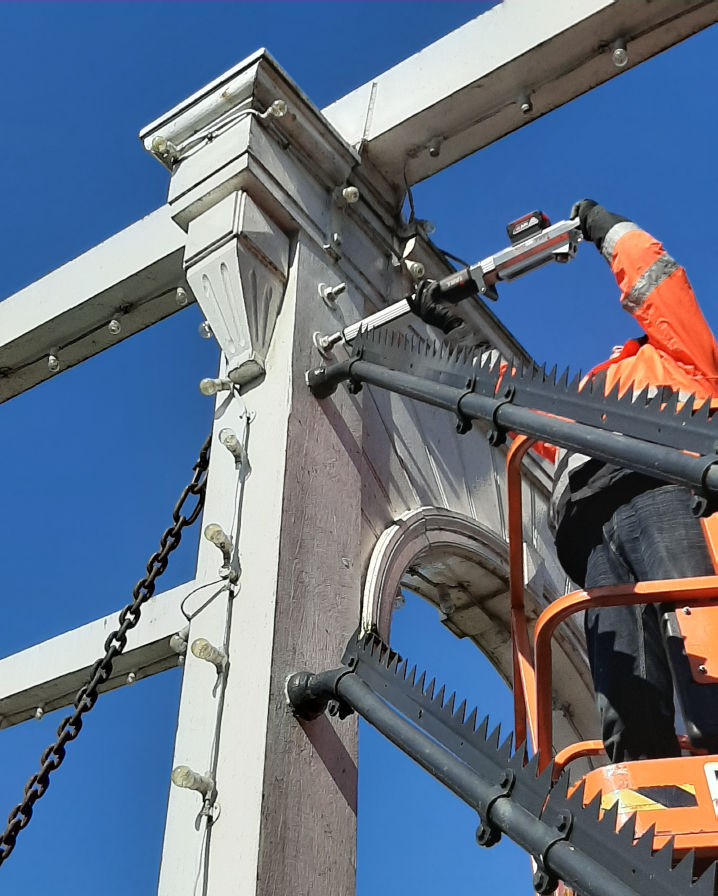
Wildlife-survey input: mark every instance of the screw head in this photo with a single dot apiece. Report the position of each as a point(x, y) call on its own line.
point(702, 669)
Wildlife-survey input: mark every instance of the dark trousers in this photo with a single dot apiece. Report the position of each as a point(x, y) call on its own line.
point(654, 535)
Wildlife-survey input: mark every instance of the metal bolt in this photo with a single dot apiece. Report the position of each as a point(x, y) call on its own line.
point(686, 611)
point(39, 713)
point(181, 297)
point(131, 677)
point(114, 326)
point(330, 293)
point(416, 269)
point(702, 669)
point(525, 104)
point(53, 363)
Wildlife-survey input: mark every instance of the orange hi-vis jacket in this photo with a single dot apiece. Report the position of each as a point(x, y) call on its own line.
point(679, 350)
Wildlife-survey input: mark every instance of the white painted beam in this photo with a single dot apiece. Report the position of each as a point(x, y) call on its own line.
point(134, 273)
point(49, 674)
point(463, 91)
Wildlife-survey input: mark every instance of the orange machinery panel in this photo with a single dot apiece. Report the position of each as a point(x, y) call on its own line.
point(698, 625)
point(679, 796)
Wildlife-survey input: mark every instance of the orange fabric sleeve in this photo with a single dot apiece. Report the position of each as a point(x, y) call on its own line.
point(668, 312)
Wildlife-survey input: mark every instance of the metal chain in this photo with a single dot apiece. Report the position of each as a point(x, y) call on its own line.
point(115, 643)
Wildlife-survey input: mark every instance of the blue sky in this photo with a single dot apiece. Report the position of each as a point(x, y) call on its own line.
point(94, 459)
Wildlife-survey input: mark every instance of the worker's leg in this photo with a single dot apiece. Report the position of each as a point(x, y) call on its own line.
point(653, 536)
point(631, 679)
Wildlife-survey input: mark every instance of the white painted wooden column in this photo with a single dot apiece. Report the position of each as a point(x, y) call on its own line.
point(255, 255)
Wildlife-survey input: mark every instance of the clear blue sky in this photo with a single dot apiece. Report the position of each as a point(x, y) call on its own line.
point(94, 459)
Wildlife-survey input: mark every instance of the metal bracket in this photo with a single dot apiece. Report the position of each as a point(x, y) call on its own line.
point(545, 882)
point(487, 834)
point(311, 695)
point(497, 434)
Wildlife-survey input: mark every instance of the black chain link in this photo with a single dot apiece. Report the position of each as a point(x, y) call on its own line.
point(115, 643)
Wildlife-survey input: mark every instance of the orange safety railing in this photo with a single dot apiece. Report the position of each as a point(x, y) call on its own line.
point(532, 662)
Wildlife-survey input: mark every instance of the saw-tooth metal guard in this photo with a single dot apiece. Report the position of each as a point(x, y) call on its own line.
point(567, 839)
point(649, 436)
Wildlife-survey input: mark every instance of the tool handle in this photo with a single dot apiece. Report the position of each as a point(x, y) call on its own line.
point(385, 316)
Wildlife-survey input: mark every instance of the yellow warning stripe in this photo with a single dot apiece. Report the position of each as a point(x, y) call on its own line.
point(689, 788)
point(634, 801)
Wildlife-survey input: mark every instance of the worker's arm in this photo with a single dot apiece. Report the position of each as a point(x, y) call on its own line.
point(654, 288)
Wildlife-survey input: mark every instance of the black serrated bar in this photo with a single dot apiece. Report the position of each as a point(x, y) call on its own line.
point(507, 793)
point(450, 381)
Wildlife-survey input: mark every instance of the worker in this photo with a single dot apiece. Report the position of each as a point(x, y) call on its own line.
point(616, 527)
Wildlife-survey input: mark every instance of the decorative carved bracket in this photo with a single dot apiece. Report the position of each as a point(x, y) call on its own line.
point(236, 262)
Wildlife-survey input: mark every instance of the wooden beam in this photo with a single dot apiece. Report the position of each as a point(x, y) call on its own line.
point(466, 90)
point(134, 274)
point(49, 674)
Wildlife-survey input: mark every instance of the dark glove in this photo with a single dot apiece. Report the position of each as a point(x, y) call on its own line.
point(595, 220)
point(429, 310)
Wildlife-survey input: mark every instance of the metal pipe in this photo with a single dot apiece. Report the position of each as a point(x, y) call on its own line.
point(636, 454)
point(611, 447)
point(561, 858)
